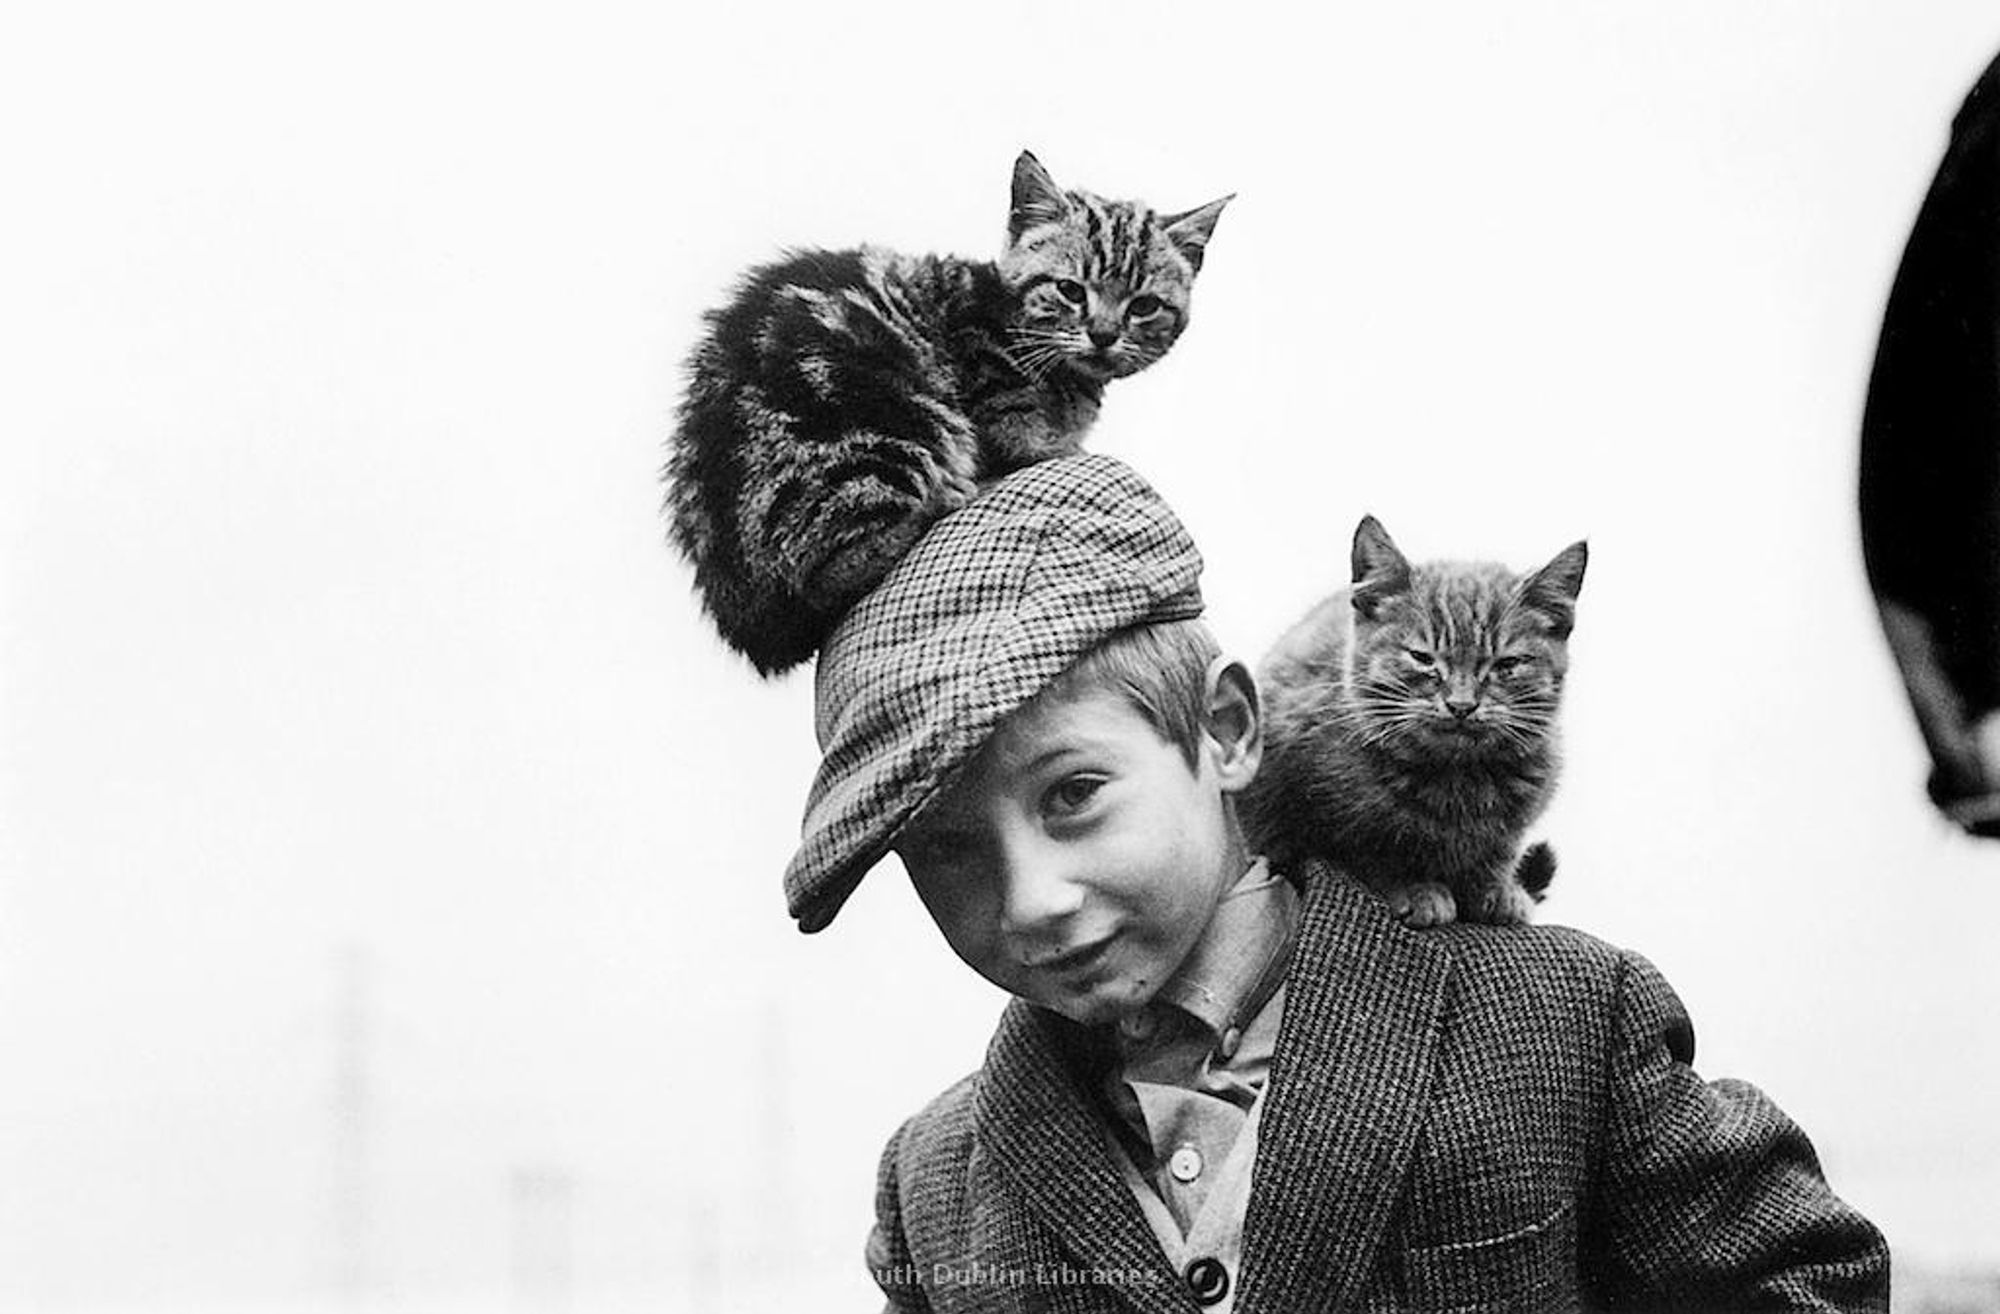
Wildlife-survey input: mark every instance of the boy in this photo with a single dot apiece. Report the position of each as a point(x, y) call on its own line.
point(1219, 1088)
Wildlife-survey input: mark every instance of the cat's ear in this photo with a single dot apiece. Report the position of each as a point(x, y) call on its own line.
point(1381, 571)
point(1190, 231)
point(1552, 590)
point(1037, 199)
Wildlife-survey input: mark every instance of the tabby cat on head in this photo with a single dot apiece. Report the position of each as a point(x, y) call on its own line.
point(841, 401)
point(1410, 730)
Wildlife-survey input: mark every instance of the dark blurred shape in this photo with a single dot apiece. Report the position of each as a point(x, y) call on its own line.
point(1930, 467)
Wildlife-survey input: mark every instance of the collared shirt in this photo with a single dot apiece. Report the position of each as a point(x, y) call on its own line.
point(1190, 1074)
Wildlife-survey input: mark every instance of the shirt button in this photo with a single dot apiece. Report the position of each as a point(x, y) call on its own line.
point(1207, 1280)
point(1185, 1164)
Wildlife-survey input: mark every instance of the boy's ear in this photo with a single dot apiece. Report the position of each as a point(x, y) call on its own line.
point(1235, 723)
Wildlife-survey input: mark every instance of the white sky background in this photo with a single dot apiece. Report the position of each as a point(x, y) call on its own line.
point(335, 608)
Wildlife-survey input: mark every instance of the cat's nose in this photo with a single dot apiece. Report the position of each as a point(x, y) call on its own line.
point(1102, 338)
point(1462, 705)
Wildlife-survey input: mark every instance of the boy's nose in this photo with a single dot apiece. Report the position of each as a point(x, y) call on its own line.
point(1036, 899)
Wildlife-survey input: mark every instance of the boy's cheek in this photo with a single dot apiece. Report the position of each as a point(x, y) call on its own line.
point(935, 891)
point(969, 936)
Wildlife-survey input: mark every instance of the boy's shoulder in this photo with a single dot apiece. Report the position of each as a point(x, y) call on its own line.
point(1537, 969)
point(938, 1139)
point(1349, 929)
point(1543, 954)
point(1555, 989)
point(946, 1121)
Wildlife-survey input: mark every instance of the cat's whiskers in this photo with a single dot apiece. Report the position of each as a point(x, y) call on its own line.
point(1363, 687)
point(1376, 723)
point(1529, 718)
point(1032, 363)
point(1514, 734)
point(1373, 732)
point(1034, 359)
point(1035, 351)
point(1364, 727)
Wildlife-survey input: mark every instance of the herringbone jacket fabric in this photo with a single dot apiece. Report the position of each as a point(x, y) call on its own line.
point(1468, 1118)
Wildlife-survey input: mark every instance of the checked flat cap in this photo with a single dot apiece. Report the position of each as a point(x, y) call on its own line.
point(995, 601)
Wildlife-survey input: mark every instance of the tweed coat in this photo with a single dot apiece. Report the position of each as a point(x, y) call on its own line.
point(1463, 1118)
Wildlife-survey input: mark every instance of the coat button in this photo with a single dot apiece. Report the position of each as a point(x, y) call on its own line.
point(1207, 1280)
point(1232, 1040)
point(1185, 1164)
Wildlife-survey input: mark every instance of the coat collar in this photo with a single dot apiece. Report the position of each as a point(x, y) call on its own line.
point(1032, 1117)
point(1349, 1088)
point(1236, 964)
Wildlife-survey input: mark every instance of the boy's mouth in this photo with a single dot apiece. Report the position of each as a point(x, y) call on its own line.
point(1070, 960)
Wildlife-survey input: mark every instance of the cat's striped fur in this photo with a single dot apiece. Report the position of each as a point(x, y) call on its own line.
point(843, 400)
point(1410, 730)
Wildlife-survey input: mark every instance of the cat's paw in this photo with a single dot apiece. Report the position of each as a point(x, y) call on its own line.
point(1423, 904)
point(1505, 904)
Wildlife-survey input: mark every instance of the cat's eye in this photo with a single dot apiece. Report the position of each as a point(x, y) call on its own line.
point(1422, 657)
point(1071, 290)
point(1508, 665)
point(1142, 306)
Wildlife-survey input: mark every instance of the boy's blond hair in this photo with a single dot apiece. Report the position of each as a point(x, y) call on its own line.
point(1161, 670)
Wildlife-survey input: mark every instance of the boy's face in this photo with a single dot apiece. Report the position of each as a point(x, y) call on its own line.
point(1078, 858)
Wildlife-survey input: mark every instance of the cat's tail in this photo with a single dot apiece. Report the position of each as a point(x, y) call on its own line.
point(1536, 869)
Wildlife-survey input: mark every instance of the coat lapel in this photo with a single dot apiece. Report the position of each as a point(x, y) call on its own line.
point(1033, 1120)
point(1350, 1086)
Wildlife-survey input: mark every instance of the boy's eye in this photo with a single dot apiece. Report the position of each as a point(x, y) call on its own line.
point(1071, 290)
point(1073, 793)
point(1143, 306)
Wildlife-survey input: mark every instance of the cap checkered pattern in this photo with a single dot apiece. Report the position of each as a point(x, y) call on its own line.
point(996, 600)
